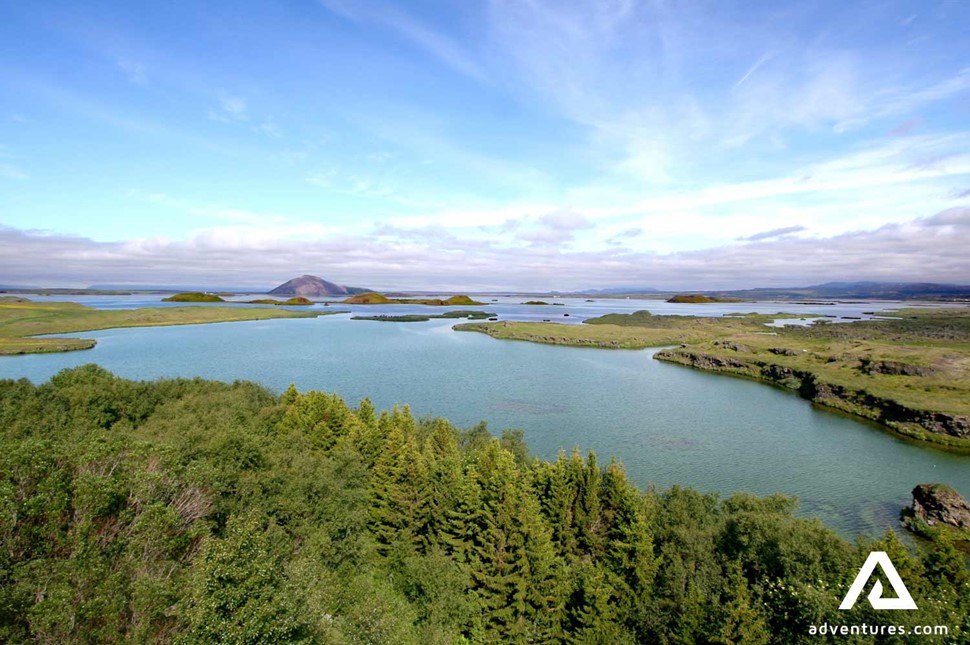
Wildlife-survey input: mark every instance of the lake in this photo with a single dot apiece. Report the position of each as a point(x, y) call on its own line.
point(666, 423)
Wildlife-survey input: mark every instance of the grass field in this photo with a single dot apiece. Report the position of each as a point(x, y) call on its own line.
point(21, 320)
point(629, 331)
point(911, 373)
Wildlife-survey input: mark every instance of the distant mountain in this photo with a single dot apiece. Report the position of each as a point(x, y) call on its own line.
point(619, 291)
point(829, 290)
point(863, 290)
point(312, 286)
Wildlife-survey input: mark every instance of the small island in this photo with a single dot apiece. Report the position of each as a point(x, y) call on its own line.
point(292, 302)
point(468, 315)
point(698, 298)
point(198, 296)
point(374, 298)
point(194, 296)
point(542, 303)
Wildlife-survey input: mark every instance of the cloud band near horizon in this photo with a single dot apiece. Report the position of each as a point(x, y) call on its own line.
point(930, 249)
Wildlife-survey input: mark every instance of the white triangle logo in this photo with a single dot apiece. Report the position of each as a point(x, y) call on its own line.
point(902, 600)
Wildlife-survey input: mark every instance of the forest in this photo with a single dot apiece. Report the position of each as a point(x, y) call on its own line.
point(195, 511)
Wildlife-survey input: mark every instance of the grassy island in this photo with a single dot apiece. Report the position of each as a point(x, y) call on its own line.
point(194, 296)
point(197, 296)
point(193, 511)
point(542, 303)
point(697, 298)
point(470, 315)
point(910, 374)
point(374, 298)
point(292, 302)
point(22, 320)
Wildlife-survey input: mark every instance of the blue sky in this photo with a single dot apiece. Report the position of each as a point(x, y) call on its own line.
point(484, 144)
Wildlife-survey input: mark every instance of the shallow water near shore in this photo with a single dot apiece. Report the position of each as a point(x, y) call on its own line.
point(667, 424)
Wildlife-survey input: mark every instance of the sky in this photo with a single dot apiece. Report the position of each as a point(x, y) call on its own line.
point(484, 144)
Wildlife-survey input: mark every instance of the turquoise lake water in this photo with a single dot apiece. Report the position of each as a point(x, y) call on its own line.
point(667, 424)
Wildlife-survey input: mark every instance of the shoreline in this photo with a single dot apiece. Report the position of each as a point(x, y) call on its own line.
point(887, 414)
point(24, 324)
point(879, 371)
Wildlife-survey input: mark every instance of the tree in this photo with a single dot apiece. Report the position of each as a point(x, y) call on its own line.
point(237, 590)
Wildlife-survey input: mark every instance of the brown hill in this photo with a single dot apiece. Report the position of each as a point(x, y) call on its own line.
point(310, 286)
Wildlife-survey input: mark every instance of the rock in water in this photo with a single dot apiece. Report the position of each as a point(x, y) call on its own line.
point(939, 504)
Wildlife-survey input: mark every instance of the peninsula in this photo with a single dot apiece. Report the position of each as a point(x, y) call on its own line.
point(22, 320)
point(910, 373)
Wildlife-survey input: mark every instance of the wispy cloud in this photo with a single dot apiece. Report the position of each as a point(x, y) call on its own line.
point(133, 71)
point(754, 68)
point(441, 47)
point(773, 233)
point(214, 211)
point(270, 128)
point(232, 109)
point(12, 172)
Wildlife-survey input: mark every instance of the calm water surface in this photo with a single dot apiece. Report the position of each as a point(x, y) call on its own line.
point(667, 424)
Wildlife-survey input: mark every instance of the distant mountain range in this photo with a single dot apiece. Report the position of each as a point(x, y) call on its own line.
point(618, 291)
point(866, 290)
point(829, 290)
point(310, 286)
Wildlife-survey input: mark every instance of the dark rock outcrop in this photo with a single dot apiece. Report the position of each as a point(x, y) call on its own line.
point(734, 347)
point(903, 419)
point(937, 504)
point(868, 366)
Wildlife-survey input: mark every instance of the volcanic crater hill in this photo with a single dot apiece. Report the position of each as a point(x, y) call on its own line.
point(311, 286)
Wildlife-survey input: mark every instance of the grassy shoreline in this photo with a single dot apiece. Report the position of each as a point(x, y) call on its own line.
point(910, 374)
point(22, 321)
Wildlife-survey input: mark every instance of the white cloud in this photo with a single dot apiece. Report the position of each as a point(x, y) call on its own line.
point(270, 128)
point(232, 109)
point(12, 172)
point(925, 249)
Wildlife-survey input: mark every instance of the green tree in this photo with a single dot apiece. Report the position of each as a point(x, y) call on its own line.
point(237, 590)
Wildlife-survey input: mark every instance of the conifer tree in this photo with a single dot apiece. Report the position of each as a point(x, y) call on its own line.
point(399, 493)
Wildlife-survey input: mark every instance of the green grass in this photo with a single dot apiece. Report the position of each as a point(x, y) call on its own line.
point(462, 300)
point(194, 296)
point(638, 330)
point(603, 336)
point(367, 299)
point(910, 373)
point(21, 321)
